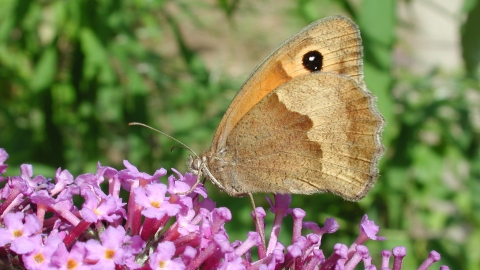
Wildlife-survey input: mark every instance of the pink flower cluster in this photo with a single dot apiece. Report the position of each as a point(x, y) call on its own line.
point(42, 227)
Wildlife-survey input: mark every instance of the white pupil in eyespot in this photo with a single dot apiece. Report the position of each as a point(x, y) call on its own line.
point(311, 58)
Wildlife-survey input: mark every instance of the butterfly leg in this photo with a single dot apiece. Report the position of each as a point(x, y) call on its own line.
point(260, 228)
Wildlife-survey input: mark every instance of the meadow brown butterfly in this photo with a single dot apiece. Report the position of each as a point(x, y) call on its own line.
point(303, 123)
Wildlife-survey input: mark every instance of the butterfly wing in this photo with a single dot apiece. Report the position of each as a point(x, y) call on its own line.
point(338, 41)
point(315, 133)
point(304, 121)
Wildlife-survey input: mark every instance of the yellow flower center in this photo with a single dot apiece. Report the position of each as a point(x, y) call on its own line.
point(71, 264)
point(39, 258)
point(155, 204)
point(17, 233)
point(109, 254)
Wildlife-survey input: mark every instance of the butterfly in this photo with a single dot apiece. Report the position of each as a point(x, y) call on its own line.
point(303, 122)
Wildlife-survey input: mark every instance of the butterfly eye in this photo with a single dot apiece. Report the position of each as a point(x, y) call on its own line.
point(313, 61)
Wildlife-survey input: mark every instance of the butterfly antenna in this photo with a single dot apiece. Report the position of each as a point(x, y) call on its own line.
point(165, 134)
point(176, 146)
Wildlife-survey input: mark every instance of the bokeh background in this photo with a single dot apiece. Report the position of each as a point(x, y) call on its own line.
point(74, 73)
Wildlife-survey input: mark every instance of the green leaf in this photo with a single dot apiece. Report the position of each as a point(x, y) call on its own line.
point(109, 104)
point(377, 21)
point(45, 70)
point(96, 57)
point(470, 41)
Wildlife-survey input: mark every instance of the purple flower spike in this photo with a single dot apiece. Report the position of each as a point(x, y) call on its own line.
point(444, 267)
point(110, 251)
point(63, 179)
point(189, 253)
point(339, 254)
point(398, 254)
point(3, 157)
point(18, 183)
point(62, 259)
point(233, 264)
point(222, 242)
point(261, 214)
point(12, 192)
point(158, 228)
point(294, 251)
point(134, 173)
point(340, 265)
point(203, 256)
point(282, 202)
point(253, 239)
point(432, 258)
point(185, 224)
point(109, 209)
point(276, 258)
point(368, 230)
point(26, 171)
point(386, 254)
point(330, 226)
point(41, 256)
point(311, 245)
point(162, 257)
point(298, 215)
point(184, 183)
point(361, 252)
point(114, 184)
point(367, 260)
point(18, 233)
point(280, 208)
point(152, 198)
point(220, 216)
point(317, 258)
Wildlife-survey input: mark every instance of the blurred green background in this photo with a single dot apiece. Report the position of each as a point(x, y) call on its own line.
point(74, 73)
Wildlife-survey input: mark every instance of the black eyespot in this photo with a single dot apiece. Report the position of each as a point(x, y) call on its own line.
point(313, 61)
